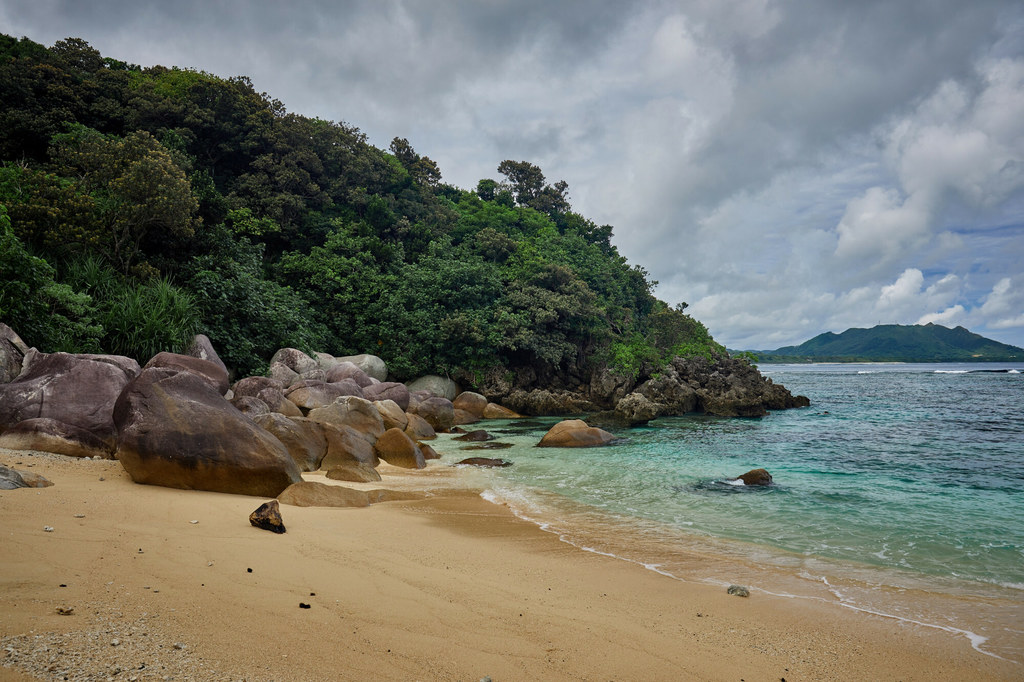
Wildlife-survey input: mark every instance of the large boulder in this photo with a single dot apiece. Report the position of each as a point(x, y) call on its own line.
point(348, 370)
point(438, 412)
point(314, 494)
point(438, 386)
point(462, 418)
point(283, 374)
point(12, 354)
point(388, 390)
point(295, 360)
point(418, 428)
point(471, 402)
point(325, 360)
point(309, 395)
point(356, 472)
point(495, 411)
point(575, 433)
point(635, 408)
point(397, 449)
point(216, 374)
point(371, 364)
point(78, 390)
point(392, 414)
point(304, 439)
point(249, 406)
point(357, 413)
point(252, 386)
point(345, 444)
point(175, 430)
point(202, 348)
point(50, 435)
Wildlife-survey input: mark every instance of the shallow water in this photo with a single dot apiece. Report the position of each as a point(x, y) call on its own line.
point(900, 491)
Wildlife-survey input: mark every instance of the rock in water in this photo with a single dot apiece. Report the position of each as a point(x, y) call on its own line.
point(756, 477)
point(268, 517)
point(739, 591)
point(484, 462)
point(575, 433)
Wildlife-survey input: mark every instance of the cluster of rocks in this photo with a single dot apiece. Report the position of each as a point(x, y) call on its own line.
point(178, 422)
point(722, 386)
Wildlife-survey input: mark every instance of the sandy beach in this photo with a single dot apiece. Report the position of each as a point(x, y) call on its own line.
point(172, 584)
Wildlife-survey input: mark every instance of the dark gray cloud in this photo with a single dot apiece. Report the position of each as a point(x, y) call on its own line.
point(785, 167)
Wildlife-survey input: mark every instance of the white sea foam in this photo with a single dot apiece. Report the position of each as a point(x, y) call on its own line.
point(952, 371)
point(1014, 371)
point(732, 481)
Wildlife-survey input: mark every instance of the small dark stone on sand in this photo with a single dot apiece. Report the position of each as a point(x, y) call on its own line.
point(303, 605)
point(248, 570)
point(268, 517)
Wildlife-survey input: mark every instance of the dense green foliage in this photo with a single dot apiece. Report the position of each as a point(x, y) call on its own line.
point(897, 343)
point(143, 205)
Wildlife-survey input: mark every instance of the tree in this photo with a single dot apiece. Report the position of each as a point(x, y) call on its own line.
point(422, 169)
point(527, 185)
point(137, 186)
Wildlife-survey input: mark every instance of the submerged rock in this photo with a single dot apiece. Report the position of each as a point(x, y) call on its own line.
point(755, 477)
point(575, 433)
point(484, 462)
point(738, 591)
point(477, 436)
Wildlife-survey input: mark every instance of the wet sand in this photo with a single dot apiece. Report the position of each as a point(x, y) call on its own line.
point(451, 587)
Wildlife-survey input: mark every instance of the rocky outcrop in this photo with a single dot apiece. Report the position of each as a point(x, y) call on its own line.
point(674, 395)
point(51, 435)
point(397, 449)
point(575, 433)
point(546, 403)
point(636, 408)
point(175, 430)
point(608, 387)
point(313, 494)
point(78, 390)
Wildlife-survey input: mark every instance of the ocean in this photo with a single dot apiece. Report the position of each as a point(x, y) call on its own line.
point(899, 492)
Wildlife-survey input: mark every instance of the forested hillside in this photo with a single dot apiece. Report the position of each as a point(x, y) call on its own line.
point(897, 343)
point(143, 205)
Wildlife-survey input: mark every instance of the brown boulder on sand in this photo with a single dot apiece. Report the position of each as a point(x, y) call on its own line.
point(574, 433)
point(356, 472)
point(397, 449)
point(175, 430)
point(50, 435)
point(79, 390)
point(418, 428)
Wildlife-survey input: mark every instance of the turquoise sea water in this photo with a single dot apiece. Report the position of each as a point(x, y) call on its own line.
point(900, 491)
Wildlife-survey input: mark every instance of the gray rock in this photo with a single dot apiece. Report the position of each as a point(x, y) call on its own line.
point(436, 385)
point(371, 364)
point(738, 590)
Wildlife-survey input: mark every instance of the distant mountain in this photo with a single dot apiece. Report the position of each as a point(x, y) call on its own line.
point(897, 343)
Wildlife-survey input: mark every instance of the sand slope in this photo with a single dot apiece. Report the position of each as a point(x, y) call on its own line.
point(447, 588)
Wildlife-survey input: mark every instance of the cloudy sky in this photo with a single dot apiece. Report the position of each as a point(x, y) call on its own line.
point(786, 168)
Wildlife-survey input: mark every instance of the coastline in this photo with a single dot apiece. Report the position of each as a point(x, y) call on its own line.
point(449, 587)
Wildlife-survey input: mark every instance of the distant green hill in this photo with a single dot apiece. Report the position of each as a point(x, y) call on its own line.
point(897, 343)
